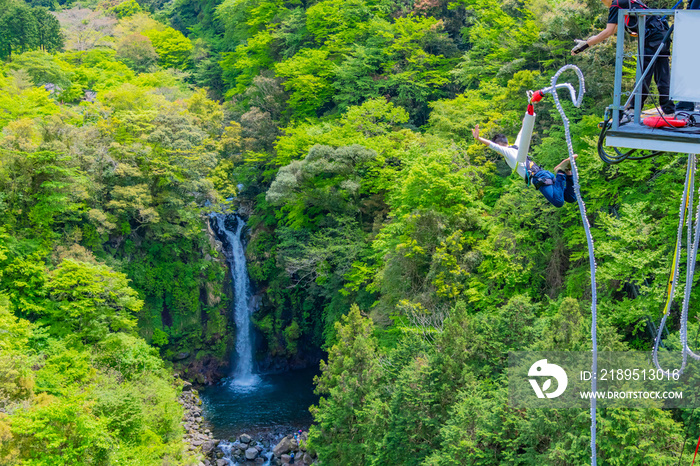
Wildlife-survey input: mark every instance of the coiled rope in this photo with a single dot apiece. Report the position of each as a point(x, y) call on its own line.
point(586, 226)
point(693, 237)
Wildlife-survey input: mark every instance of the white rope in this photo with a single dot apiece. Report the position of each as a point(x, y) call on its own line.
point(586, 226)
point(693, 237)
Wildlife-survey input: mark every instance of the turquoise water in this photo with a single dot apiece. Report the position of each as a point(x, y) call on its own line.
point(270, 403)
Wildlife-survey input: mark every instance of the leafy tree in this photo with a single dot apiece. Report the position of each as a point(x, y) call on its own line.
point(43, 68)
point(172, 47)
point(60, 432)
point(137, 52)
point(126, 8)
point(90, 301)
point(16, 379)
point(19, 28)
point(49, 35)
point(348, 380)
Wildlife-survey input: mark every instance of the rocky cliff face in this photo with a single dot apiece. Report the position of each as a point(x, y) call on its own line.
point(206, 360)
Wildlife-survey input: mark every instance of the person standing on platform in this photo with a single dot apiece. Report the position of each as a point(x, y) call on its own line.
point(655, 30)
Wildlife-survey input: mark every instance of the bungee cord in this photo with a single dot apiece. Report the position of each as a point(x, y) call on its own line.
point(577, 99)
point(693, 238)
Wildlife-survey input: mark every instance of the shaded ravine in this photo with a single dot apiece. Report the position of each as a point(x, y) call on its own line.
point(266, 406)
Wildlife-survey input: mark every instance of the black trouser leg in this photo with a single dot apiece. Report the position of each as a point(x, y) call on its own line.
point(661, 72)
point(570, 192)
point(647, 80)
point(662, 77)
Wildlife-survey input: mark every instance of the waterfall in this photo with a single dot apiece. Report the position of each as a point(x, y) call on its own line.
point(229, 228)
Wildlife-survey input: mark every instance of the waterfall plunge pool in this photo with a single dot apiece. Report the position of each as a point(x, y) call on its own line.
point(246, 402)
point(277, 403)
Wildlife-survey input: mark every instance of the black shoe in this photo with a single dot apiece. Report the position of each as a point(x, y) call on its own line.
point(626, 117)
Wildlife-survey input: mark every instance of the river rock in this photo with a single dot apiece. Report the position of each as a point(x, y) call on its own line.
point(245, 438)
point(285, 458)
point(251, 453)
point(222, 462)
point(285, 446)
point(207, 447)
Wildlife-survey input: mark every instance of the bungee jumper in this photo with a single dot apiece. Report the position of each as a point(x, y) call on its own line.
point(519, 161)
point(556, 188)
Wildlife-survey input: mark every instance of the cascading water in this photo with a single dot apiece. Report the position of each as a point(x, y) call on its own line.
point(229, 228)
point(267, 406)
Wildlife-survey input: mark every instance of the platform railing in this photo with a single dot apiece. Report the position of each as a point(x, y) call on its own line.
point(619, 62)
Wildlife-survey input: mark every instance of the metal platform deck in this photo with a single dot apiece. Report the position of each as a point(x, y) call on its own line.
point(637, 136)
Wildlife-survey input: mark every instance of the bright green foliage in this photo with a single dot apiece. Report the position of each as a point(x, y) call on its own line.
point(16, 380)
point(243, 19)
point(346, 380)
point(61, 432)
point(374, 125)
point(338, 23)
point(307, 78)
point(43, 68)
point(18, 101)
point(113, 168)
point(90, 301)
point(172, 47)
point(96, 70)
point(126, 8)
point(347, 136)
point(326, 181)
point(242, 65)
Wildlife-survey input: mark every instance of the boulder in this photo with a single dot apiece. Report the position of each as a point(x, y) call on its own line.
point(207, 447)
point(251, 453)
point(285, 458)
point(285, 446)
point(222, 462)
point(308, 459)
point(183, 355)
point(245, 438)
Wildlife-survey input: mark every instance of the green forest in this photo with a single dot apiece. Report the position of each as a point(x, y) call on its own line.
point(379, 231)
